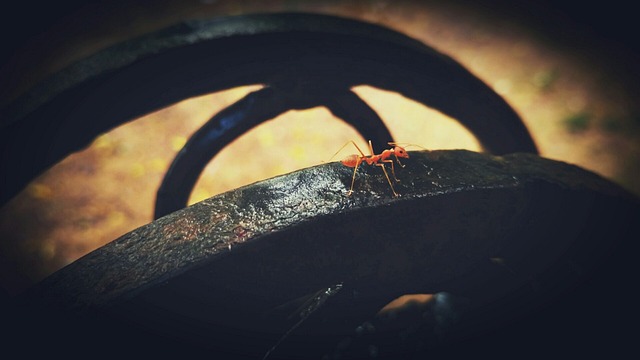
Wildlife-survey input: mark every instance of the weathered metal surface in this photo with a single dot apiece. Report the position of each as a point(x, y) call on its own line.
point(121, 83)
point(233, 274)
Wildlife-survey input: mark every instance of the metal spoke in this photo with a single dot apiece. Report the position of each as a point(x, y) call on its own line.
point(212, 137)
point(349, 107)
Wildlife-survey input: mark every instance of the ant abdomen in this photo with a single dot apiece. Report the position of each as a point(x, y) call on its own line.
point(350, 161)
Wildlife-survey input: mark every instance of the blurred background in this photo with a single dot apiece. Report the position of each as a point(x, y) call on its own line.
point(568, 70)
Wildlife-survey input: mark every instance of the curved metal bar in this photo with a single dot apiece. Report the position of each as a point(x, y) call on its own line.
point(117, 85)
point(349, 107)
point(212, 137)
point(231, 261)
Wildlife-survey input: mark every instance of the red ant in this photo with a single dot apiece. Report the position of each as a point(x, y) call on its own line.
point(378, 160)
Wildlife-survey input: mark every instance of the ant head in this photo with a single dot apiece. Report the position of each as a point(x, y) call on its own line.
point(399, 151)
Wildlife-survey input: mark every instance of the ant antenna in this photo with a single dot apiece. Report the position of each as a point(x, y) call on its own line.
point(391, 143)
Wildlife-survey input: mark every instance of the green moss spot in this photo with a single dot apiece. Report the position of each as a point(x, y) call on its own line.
point(578, 122)
point(545, 79)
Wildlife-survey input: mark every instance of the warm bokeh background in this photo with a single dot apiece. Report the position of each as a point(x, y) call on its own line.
point(571, 88)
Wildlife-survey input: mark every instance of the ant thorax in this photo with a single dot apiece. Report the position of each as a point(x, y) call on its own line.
point(385, 154)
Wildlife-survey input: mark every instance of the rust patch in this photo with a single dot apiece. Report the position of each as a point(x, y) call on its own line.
point(218, 217)
point(241, 233)
point(182, 229)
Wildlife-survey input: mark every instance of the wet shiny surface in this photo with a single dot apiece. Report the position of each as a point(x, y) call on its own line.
point(238, 273)
point(317, 195)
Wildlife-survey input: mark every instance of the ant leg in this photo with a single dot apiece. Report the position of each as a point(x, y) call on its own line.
point(393, 170)
point(387, 176)
point(353, 178)
point(343, 146)
point(360, 151)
